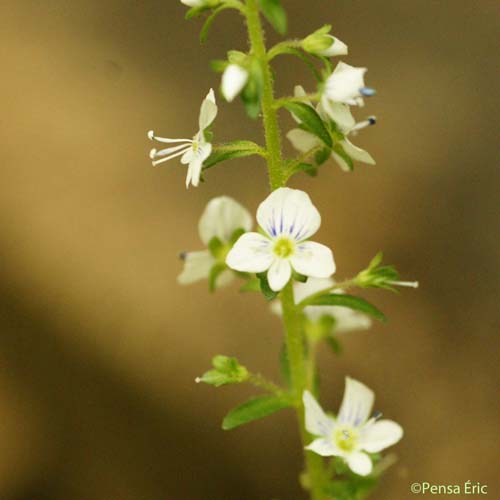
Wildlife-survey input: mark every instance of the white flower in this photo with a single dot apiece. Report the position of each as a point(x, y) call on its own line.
point(221, 218)
point(346, 320)
point(288, 218)
point(346, 85)
point(234, 80)
point(352, 433)
point(194, 151)
point(304, 141)
point(337, 48)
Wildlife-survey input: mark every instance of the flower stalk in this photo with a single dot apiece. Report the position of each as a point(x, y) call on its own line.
point(277, 178)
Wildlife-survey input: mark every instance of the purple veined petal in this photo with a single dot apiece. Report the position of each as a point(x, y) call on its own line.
point(288, 212)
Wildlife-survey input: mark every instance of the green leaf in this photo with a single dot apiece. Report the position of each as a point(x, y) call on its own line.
point(253, 89)
point(343, 300)
point(334, 344)
point(310, 120)
point(265, 288)
point(252, 410)
point(230, 150)
point(226, 370)
point(322, 156)
point(275, 13)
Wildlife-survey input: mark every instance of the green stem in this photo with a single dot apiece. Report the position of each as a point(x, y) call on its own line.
point(270, 117)
point(291, 318)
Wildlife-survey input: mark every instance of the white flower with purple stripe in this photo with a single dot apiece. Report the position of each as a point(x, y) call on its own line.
point(353, 433)
point(288, 218)
point(194, 151)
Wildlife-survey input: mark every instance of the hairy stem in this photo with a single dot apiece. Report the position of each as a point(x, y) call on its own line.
point(291, 318)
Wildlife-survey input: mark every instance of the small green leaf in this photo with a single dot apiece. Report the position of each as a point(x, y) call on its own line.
point(218, 65)
point(322, 156)
point(343, 300)
point(265, 288)
point(310, 120)
point(334, 344)
point(275, 13)
point(230, 150)
point(226, 370)
point(252, 410)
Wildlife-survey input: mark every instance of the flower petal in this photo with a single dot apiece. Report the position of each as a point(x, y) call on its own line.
point(347, 320)
point(197, 266)
point(313, 259)
point(357, 154)
point(317, 422)
point(380, 435)
point(323, 447)
point(288, 212)
point(252, 253)
point(302, 140)
point(221, 218)
point(194, 171)
point(345, 83)
point(360, 463)
point(337, 48)
point(279, 274)
point(208, 111)
point(357, 403)
point(339, 113)
point(234, 80)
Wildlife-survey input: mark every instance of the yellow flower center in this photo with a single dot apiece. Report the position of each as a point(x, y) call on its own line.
point(345, 438)
point(284, 247)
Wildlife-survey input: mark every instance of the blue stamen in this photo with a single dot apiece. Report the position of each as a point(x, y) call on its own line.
point(367, 91)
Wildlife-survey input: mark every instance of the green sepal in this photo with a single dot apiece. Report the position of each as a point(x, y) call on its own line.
point(348, 160)
point(275, 13)
point(334, 344)
point(237, 57)
point(344, 300)
point(253, 89)
point(237, 233)
point(299, 277)
point(353, 488)
point(254, 409)
point(252, 285)
point(215, 272)
point(265, 288)
point(227, 370)
point(322, 156)
point(198, 11)
point(209, 21)
point(230, 150)
point(216, 247)
point(377, 276)
point(218, 65)
point(310, 120)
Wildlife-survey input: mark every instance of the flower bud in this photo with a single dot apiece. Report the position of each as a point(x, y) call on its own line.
point(322, 43)
point(234, 80)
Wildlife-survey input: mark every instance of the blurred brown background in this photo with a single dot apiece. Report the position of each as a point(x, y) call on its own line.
point(99, 346)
